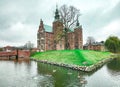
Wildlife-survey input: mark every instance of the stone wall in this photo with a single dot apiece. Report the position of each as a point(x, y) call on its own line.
point(77, 67)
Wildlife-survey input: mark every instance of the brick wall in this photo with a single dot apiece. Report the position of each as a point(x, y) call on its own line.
point(21, 53)
point(24, 53)
point(48, 41)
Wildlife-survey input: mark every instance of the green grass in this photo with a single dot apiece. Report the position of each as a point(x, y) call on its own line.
point(76, 57)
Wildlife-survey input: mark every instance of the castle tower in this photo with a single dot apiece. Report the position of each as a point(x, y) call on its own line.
point(78, 39)
point(41, 37)
point(57, 31)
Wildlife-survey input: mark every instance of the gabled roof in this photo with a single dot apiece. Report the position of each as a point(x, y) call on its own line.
point(48, 28)
point(94, 43)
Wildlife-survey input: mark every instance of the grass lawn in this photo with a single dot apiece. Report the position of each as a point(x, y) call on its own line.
point(74, 57)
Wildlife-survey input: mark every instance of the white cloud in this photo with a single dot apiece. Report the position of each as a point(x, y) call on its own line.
point(19, 34)
point(113, 28)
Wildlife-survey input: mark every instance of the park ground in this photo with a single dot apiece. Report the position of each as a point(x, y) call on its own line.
point(73, 57)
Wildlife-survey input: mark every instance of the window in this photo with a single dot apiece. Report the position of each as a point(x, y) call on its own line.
point(42, 47)
point(42, 41)
point(76, 45)
point(60, 42)
point(38, 35)
point(54, 44)
point(48, 44)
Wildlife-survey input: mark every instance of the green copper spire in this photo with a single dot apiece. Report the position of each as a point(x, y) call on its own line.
point(77, 24)
point(57, 16)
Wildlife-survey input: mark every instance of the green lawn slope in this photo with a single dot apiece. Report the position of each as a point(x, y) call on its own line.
point(74, 57)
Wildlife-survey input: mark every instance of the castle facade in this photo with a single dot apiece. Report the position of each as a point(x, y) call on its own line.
point(51, 38)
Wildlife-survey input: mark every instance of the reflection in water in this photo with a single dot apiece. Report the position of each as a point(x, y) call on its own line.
point(114, 65)
point(62, 77)
point(43, 81)
point(17, 73)
point(26, 73)
point(26, 60)
point(114, 68)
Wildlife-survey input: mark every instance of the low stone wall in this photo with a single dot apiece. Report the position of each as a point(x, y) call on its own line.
point(98, 65)
point(77, 67)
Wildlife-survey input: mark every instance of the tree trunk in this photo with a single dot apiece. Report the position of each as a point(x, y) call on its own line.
point(66, 39)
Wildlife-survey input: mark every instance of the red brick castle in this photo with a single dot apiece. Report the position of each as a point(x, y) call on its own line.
point(49, 38)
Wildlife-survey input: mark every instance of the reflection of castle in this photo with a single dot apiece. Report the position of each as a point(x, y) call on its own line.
point(50, 38)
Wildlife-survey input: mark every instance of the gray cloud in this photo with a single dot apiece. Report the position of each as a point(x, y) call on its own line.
point(115, 13)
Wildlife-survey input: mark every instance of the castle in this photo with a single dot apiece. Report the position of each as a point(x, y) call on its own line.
point(49, 38)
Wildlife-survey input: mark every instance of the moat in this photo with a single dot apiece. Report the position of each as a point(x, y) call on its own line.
point(34, 74)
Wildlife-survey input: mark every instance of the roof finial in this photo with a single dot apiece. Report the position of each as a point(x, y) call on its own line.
point(56, 6)
point(40, 20)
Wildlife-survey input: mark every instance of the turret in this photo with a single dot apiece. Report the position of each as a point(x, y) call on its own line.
point(41, 37)
point(41, 26)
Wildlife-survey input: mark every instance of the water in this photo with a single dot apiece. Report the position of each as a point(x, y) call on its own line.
point(33, 74)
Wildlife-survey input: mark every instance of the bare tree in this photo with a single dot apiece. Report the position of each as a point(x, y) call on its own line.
point(90, 40)
point(69, 17)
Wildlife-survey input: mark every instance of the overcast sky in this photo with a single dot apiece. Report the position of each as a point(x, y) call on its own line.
point(19, 19)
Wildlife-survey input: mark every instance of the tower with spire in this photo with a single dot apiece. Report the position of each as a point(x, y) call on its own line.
point(78, 41)
point(57, 30)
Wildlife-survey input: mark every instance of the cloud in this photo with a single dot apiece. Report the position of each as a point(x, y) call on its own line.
point(19, 19)
point(113, 28)
point(96, 21)
point(19, 33)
